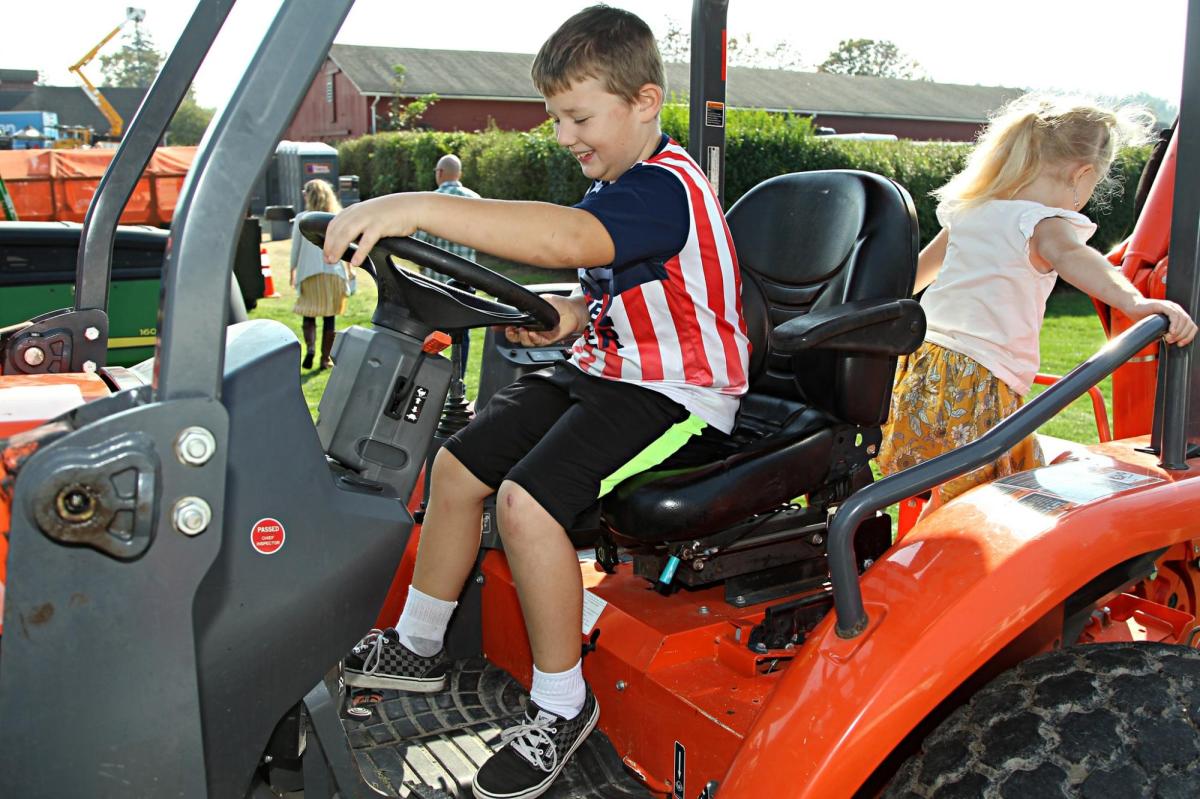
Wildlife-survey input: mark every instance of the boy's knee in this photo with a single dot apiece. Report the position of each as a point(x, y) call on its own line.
point(450, 475)
point(518, 513)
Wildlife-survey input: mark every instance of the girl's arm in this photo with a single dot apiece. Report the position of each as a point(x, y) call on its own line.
point(929, 263)
point(1055, 246)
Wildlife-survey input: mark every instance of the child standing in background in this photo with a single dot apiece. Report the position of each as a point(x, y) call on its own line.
point(321, 288)
point(1010, 226)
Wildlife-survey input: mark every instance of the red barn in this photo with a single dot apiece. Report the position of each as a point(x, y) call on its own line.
point(354, 92)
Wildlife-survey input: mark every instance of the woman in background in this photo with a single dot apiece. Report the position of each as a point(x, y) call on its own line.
point(321, 288)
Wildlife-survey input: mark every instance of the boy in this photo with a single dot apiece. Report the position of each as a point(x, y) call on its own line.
point(663, 353)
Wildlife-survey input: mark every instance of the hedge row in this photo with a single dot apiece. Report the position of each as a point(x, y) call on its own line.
point(532, 166)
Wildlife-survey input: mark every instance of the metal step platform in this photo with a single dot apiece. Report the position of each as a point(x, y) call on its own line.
point(412, 743)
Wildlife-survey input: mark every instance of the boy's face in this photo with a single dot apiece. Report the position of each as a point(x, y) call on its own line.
point(607, 134)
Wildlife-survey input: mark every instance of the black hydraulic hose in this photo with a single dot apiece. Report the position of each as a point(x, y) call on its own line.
point(847, 594)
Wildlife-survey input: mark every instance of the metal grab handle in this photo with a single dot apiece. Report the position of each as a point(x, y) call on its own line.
point(847, 594)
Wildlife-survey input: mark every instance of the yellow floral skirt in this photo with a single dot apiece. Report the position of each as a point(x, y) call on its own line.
point(321, 295)
point(942, 400)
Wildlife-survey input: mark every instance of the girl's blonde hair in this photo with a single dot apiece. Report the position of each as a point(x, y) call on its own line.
point(1036, 132)
point(319, 196)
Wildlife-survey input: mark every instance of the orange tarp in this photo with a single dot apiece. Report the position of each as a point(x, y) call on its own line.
point(57, 185)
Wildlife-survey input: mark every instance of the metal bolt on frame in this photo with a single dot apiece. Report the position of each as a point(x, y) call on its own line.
point(192, 515)
point(195, 446)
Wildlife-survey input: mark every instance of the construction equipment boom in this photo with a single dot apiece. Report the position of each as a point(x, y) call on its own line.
point(115, 122)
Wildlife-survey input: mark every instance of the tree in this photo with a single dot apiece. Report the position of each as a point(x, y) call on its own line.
point(135, 64)
point(870, 57)
point(676, 48)
point(189, 123)
point(405, 116)
point(1163, 110)
point(675, 45)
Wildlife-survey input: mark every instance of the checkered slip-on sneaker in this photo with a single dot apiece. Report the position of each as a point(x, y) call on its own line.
point(379, 660)
point(534, 753)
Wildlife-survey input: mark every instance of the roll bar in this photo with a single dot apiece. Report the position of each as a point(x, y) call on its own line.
point(93, 266)
point(1180, 418)
point(190, 352)
point(847, 593)
point(706, 114)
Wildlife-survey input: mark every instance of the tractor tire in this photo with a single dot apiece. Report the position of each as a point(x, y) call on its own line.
point(1100, 721)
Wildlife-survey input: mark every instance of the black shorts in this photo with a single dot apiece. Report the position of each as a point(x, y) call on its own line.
point(561, 434)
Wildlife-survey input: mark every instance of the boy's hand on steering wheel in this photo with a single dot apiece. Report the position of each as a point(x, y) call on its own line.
point(367, 222)
point(572, 319)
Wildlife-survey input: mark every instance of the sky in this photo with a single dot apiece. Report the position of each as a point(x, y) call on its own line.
point(1102, 47)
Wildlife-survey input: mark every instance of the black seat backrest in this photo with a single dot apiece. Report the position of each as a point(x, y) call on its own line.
point(810, 240)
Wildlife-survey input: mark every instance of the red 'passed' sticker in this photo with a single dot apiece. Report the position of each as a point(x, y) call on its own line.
point(267, 535)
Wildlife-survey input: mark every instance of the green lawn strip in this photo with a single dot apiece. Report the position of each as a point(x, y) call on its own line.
point(1070, 335)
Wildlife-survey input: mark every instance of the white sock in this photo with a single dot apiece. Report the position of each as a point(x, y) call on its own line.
point(422, 624)
point(562, 693)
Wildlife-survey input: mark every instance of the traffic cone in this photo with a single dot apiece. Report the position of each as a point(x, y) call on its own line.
point(264, 260)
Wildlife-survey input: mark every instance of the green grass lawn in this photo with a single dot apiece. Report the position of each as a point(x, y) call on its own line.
point(1071, 334)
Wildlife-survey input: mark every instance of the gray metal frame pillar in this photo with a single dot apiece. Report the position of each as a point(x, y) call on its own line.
point(1180, 418)
point(706, 117)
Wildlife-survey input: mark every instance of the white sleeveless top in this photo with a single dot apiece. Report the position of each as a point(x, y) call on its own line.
point(988, 300)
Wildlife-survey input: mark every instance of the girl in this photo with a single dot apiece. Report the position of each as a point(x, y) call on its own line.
point(1010, 226)
point(322, 287)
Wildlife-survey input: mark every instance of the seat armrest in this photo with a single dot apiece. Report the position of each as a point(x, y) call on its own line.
point(868, 327)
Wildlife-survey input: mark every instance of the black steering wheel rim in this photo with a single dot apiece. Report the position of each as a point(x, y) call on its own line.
point(509, 294)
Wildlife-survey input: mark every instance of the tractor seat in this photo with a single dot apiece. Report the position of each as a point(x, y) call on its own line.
point(828, 261)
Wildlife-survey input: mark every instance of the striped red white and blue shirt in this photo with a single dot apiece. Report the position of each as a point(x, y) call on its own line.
point(667, 313)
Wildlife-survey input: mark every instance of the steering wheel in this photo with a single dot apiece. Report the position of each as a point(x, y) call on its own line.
point(514, 304)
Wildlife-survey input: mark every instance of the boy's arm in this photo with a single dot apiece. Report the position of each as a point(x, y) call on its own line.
point(541, 234)
point(929, 262)
point(1055, 245)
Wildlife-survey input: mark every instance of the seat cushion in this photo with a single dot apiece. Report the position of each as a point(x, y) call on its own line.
point(780, 450)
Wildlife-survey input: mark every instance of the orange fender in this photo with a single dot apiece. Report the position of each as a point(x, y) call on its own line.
point(966, 582)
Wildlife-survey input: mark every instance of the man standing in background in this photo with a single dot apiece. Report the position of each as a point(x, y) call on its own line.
point(448, 174)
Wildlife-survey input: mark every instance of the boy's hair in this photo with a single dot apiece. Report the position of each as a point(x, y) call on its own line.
point(319, 196)
point(601, 42)
point(1036, 132)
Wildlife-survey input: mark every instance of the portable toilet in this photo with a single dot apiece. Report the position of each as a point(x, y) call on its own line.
point(296, 163)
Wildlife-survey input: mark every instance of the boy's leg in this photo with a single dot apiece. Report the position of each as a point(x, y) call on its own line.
point(608, 425)
point(409, 656)
point(562, 711)
point(450, 533)
point(545, 568)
